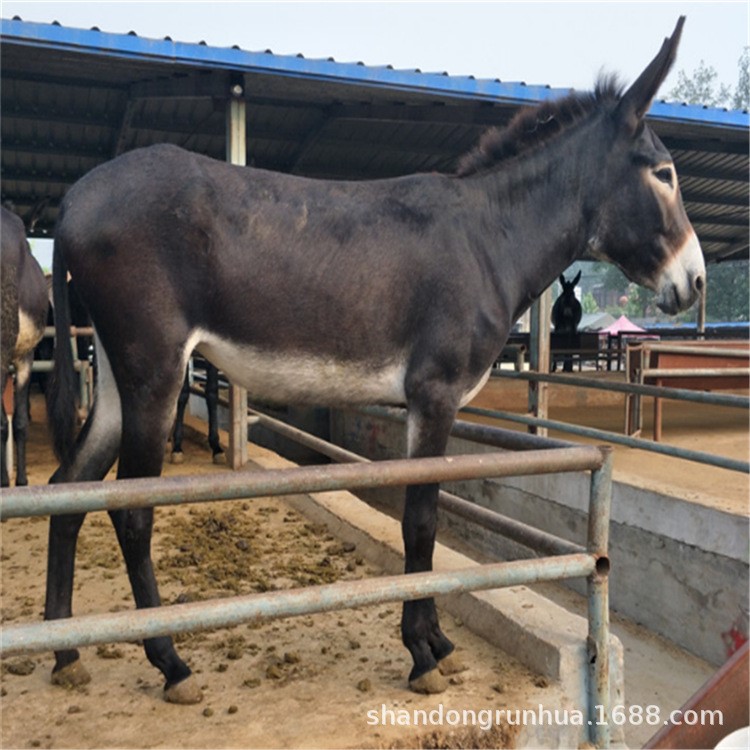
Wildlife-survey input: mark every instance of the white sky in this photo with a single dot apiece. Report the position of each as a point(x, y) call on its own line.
point(558, 43)
point(564, 44)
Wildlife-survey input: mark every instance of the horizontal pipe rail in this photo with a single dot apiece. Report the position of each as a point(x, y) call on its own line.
point(325, 448)
point(497, 437)
point(528, 536)
point(707, 351)
point(676, 394)
point(179, 618)
point(613, 437)
point(84, 497)
point(49, 331)
point(696, 372)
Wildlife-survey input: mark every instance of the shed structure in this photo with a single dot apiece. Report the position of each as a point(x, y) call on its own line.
point(73, 98)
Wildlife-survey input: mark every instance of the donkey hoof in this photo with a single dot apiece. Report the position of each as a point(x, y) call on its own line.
point(451, 664)
point(220, 458)
point(429, 683)
point(72, 675)
point(178, 457)
point(186, 692)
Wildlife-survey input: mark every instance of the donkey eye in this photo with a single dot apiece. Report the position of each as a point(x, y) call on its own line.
point(665, 175)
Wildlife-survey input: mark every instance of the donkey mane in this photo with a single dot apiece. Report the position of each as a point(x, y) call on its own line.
point(533, 126)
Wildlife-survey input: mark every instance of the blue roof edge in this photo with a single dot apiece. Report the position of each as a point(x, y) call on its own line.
point(233, 58)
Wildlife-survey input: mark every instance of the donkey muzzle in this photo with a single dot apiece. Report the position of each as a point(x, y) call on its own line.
point(683, 278)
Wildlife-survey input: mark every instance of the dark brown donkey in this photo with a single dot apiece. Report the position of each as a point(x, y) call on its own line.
point(24, 316)
point(566, 315)
point(398, 291)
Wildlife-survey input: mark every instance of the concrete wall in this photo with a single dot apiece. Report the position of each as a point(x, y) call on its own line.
point(679, 568)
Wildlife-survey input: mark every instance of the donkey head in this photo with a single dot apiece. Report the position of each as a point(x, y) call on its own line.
point(569, 287)
point(641, 224)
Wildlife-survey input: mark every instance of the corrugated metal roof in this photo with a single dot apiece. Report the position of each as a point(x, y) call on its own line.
point(73, 98)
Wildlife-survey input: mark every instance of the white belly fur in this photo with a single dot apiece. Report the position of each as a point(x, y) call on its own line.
point(285, 378)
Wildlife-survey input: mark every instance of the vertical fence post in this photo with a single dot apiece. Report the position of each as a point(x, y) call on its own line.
point(598, 604)
point(701, 323)
point(237, 154)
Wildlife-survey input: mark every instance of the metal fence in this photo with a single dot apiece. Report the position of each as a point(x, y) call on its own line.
point(678, 394)
point(522, 455)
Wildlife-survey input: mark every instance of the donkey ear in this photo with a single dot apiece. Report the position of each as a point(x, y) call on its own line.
point(577, 278)
point(637, 99)
point(562, 279)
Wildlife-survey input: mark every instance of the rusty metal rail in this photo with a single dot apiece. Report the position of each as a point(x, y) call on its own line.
point(85, 497)
point(253, 608)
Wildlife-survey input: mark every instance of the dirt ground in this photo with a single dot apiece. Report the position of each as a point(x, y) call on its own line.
point(300, 682)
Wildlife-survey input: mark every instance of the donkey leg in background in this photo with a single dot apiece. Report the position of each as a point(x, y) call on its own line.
point(21, 418)
point(428, 426)
point(182, 400)
point(212, 404)
point(4, 432)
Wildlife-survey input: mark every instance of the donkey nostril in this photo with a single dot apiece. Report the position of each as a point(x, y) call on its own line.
point(699, 284)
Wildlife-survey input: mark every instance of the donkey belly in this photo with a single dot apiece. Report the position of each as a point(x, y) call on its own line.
point(291, 377)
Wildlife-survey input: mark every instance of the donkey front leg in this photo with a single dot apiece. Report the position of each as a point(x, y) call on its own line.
point(431, 650)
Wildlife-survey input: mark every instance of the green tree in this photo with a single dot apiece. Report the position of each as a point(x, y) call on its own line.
point(742, 93)
point(588, 304)
point(702, 86)
point(728, 292)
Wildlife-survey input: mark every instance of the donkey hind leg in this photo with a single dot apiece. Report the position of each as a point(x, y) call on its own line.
point(212, 404)
point(431, 650)
point(96, 452)
point(146, 424)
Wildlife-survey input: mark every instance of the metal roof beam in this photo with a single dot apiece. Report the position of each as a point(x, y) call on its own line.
point(739, 249)
point(199, 86)
point(718, 220)
point(711, 144)
point(724, 174)
point(42, 177)
point(481, 115)
point(697, 196)
point(56, 148)
point(47, 114)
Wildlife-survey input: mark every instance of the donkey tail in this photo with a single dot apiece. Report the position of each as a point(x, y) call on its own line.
point(62, 388)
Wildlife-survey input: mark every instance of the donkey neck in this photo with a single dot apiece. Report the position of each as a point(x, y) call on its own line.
point(537, 217)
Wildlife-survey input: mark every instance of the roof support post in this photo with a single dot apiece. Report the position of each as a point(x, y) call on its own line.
point(237, 154)
point(539, 358)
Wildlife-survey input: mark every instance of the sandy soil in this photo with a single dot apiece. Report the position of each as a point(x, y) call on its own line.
point(302, 682)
